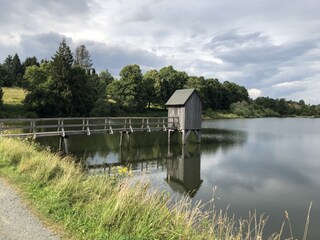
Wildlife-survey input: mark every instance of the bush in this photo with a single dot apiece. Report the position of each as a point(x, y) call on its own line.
point(252, 110)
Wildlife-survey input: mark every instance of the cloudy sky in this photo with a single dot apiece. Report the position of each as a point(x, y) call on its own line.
point(270, 47)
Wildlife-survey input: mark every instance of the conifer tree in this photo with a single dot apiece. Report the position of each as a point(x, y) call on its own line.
point(61, 75)
point(17, 70)
point(82, 58)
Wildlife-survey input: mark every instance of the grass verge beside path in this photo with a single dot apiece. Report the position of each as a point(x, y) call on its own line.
point(102, 207)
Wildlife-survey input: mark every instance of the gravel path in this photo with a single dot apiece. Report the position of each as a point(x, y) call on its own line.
point(16, 221)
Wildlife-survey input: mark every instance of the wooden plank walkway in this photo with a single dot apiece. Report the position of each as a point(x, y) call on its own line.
point(46, 127)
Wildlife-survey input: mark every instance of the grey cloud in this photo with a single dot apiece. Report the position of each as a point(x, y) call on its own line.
point(253, 48)
point(42, 45)
point(232, 39)
point(115, 57)
point(60, 8)
point(34, 15)
point(265, 65)
point(112, 57)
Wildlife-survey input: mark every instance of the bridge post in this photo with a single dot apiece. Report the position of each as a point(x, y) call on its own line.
point(170, 134)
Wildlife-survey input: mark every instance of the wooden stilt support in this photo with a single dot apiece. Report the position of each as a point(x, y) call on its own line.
point(198, 135)
point(170, 134)
point(186, 134)
point(121, 138)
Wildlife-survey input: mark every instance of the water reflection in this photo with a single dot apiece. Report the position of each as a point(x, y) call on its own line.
point(271, 165)
point(183, 171)
point(180, 165)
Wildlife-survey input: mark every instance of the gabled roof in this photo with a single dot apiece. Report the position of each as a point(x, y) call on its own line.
point(180, 97)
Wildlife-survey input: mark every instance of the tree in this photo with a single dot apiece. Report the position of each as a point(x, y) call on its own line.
point(114, 91)
point(302, 103)
point(57, 88)
point(39, 96)
point(30, 61)
point(82, 58)
point(282, 106)
point(129, 89)
point(236, 93)
point(169, 81)
point(106, 77)
point(17, 70)
point(3, 73)
point(84, 92)
point(60, 80)
point(8, 74)
point(215, 95)
point(149, 80)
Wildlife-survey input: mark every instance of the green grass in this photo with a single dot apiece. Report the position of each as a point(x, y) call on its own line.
point(12, 103)
point(104, 207)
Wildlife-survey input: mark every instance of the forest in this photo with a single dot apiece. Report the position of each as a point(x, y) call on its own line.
point(68, 85)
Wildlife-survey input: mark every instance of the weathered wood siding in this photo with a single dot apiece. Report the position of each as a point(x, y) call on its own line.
point(193, 112)
point(178, 111)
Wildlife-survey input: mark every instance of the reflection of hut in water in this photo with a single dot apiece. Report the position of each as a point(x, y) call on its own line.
point(183, 173)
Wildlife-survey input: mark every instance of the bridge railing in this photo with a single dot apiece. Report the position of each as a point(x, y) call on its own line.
point(42, 127)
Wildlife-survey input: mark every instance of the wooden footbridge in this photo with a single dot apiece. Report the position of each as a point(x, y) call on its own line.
point(48, 127)
point(184, 115)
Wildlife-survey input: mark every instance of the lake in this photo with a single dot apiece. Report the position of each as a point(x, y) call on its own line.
point(269, 164)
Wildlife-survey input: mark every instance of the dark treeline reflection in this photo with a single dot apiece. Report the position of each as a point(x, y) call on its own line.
point(270, 165)
point(150, 152)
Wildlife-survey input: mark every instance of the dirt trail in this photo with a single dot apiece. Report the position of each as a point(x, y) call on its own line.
point(16, 221)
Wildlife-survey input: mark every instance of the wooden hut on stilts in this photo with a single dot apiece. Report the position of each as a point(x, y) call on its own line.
point(187, 105)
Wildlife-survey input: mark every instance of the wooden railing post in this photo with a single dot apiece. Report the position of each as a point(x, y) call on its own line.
point(105, 123)
point(88, 128)
point(130, 126)
point(164, 126)
point(148, 127)
point(34, 129)
point(110, 127)
point(62, 128)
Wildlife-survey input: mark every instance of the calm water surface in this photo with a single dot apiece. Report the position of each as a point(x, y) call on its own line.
point(270, 165)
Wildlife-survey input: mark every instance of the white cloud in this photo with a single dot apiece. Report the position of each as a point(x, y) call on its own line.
point(254, 93)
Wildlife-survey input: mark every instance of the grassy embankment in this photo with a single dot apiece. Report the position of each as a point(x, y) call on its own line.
point(12, 103)
point(103, 207)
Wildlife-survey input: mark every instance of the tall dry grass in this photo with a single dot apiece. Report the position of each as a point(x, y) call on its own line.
point(104, 207)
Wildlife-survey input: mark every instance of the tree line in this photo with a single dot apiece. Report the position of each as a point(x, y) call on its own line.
point(67, 85)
